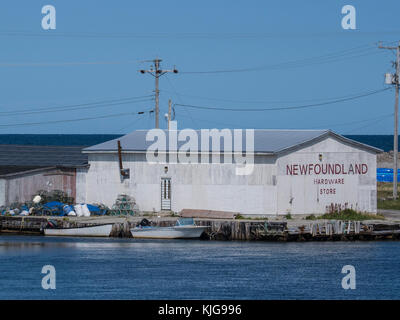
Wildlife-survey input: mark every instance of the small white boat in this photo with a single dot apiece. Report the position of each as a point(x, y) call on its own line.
point(180, 231)
point(92, 231)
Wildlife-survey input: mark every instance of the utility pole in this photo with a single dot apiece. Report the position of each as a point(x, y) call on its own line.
point(395, 80)
point(157, 72)
point(169, 112)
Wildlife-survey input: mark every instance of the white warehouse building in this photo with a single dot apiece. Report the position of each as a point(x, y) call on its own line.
point(295, 171)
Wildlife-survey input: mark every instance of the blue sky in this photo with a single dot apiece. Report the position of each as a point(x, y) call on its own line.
point(97, 48)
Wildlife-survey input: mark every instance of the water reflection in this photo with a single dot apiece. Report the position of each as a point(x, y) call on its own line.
point(97, 268)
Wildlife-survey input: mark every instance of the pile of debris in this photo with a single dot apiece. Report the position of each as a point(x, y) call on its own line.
point(53, 203)
point(55, 195)
point(58, 203)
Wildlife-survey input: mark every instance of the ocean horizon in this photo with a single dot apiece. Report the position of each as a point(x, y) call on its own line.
point(384, 142)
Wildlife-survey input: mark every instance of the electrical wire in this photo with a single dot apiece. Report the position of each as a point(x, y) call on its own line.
point(129, 125)
point(263, 101)
point(331, 57)
point(180, 99)
point(286, 108)
point(366, 126)
point(80, 106)
point(351, 53)
point(352, 122)
point(63, 64)
point(216, 122)
point(326, 126)
point(191, 35)
point(74, 120)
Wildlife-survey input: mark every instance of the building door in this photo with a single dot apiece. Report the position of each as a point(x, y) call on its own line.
point(165, 193)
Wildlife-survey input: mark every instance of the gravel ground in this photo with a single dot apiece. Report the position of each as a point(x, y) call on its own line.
point(385, 159)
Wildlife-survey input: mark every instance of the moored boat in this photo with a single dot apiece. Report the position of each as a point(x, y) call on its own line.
point(91, 231)
point(184, 229)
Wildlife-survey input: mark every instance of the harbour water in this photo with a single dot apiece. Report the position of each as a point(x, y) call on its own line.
point(173, 269)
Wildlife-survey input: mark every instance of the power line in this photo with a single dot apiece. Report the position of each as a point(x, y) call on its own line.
point(285, 108)
point(376, 121)
point(283, 65)
point(325, 126)
point(353, 122)
point(90, 105)
point(130, 124)
point(74, 120)
point(62, 64)
point(191, 35)
point(354, 52)
point(262, 101)
point(180, 99)
point(72, 109)
point(332, 57)
point(212, 121)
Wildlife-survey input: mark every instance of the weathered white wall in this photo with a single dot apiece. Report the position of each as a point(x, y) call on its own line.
point(298, 194)
point(194, 186)
point(269, 190)
point(81, 185)
point(3, 189)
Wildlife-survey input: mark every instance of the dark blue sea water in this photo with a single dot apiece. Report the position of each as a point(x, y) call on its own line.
point(56, 139)
point(162, 269)
point(384, 142)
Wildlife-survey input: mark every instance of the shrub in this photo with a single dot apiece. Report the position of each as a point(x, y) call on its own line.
point(350, 214)
point(311, 217)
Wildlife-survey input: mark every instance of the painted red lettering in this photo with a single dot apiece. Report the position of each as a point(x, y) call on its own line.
point(303, 169)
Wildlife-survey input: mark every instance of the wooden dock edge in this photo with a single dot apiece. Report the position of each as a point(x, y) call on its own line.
point(219, 229)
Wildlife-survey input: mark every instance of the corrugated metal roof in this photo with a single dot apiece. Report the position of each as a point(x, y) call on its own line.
point(265, 141)
point(14, 169)
point(41, 156)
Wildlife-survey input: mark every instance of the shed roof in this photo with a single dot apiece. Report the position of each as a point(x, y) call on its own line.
point(265, 141)
point(41, 156)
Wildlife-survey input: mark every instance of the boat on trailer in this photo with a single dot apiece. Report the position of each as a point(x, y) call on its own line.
point(184, 229)
point(103, 230)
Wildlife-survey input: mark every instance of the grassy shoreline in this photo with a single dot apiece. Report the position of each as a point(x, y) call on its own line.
point(385, 196)
point(347, 214)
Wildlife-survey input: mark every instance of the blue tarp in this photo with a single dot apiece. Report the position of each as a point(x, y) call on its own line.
point(58, 208)
point(386, 175)
point(95, 210)
point(55, 207)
